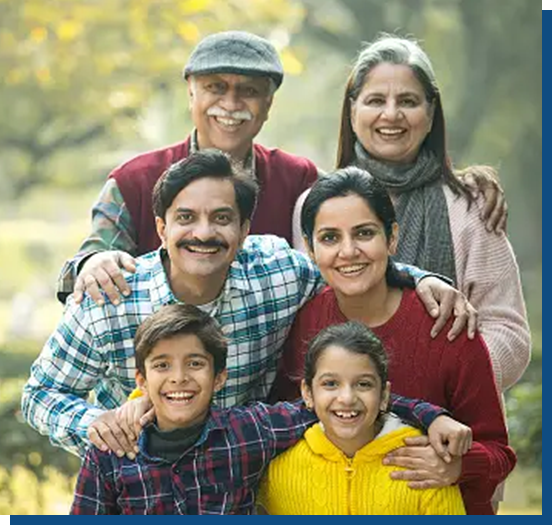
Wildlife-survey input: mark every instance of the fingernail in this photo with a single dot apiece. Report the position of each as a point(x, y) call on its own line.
point(386, 461)
point(126, 293)
point(131, 456)
point(434, 312)
point(120, 453)
point(136, 449)
point(101, 302)
point(116, 302)
point(433, 334)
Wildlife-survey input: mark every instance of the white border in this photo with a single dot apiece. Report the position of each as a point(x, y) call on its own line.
point(4, 520)
point(546, 5)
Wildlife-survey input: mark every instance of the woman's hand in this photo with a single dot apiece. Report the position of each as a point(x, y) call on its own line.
point(441, 300)
point(425, 469)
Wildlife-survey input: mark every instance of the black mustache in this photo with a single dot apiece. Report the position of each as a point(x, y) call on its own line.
point(209, 243)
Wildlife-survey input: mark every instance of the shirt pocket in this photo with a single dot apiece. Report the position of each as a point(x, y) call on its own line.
point(226, 499)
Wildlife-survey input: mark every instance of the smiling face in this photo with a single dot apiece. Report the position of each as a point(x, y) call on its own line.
point(229, 110)
point(180, 381)
point(201, 232)
point(347, 396)
point(350, 246)
point(391, 117)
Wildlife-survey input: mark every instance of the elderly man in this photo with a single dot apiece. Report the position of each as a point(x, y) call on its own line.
point(232, 77)
point(253, 287)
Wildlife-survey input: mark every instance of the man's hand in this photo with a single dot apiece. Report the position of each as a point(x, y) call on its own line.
point(135, 414)
point(107, 433)
point(484, 180)
point(424, 467)
point(103, 271)
point(441, 300)
point(449, 437)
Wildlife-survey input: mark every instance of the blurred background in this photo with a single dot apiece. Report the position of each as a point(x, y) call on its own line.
point(86, 84)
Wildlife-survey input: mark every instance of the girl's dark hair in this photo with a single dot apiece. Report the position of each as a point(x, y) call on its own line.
point(399, 51)
point(354, 181)
point(180, 319)
point(207, 163)
point(354, 337)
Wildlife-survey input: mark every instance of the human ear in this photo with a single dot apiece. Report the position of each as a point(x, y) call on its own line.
point(160, 226)
point(306, 394)
point(141, 381)
point(394, 239)
point(385, 396)
point(220, 380)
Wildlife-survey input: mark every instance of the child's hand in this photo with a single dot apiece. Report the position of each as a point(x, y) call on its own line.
point(449, 437)
point(107, 433)
point(424, 467)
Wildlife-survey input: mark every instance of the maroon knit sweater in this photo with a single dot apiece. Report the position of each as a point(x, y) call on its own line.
point(282, 178)
point(455, 375)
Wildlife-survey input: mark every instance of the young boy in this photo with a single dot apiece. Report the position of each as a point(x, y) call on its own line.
point(196, 458)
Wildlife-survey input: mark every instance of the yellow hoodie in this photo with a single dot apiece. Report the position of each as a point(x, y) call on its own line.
point(315, 477)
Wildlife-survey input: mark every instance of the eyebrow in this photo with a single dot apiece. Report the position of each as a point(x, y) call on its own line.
point(332, 375)
point(167, 356)
point(216, 210)
point(356, 227)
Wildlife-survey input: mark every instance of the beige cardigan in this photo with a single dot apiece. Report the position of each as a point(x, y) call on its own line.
point(488, 274)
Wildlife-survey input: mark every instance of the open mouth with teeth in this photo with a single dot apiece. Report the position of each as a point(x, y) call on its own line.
point(391, 133)
point(352, 269)
point(180, 398)
point(203, 250)
point(228, 123)
point(347, 415)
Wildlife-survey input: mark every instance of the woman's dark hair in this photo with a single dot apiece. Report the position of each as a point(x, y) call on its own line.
point(354, 337)
point(208, 163)
point(354, 181)
point(180, 319)
point(399, 51)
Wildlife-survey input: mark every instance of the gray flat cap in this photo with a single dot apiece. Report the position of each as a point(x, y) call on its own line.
point(235, 52)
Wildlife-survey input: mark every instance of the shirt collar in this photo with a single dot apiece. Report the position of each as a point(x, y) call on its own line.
point(160, 290)
point(216, 421)
point(249, 165)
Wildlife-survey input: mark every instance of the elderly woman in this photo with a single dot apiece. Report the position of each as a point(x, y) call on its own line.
point(393, 125)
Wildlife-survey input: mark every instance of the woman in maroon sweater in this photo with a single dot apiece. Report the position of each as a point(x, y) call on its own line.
point(349, 225)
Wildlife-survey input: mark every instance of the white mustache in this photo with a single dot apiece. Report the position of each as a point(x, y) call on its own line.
point(216, 111)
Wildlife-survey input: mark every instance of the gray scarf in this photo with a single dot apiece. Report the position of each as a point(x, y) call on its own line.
point(424, 239)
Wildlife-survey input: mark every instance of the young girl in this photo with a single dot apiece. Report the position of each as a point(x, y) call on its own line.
point(350, 227)
point(337, 467)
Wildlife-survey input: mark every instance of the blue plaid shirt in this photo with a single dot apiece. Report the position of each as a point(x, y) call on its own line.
point(92, 348)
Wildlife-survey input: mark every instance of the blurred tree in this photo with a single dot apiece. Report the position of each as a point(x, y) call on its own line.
point(75, 72)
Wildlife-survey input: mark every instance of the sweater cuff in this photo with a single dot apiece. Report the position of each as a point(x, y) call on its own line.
point(475, 463)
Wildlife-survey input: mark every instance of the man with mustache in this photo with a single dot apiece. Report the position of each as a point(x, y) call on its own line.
point(253, 287)
point(232, 77)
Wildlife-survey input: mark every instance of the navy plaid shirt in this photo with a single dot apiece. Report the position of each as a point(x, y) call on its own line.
point(218, 475)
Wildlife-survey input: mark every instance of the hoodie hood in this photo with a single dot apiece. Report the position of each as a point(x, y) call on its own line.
point(389, 438)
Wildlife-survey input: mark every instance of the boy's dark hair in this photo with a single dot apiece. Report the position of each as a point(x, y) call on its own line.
point(210, 163)
point(354, 337)
point(180, 319)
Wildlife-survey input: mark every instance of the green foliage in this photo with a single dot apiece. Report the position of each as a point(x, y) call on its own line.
point(77, 72)
point(524, 409)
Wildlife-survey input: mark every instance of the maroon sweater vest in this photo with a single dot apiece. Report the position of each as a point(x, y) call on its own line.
point(282, 178)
